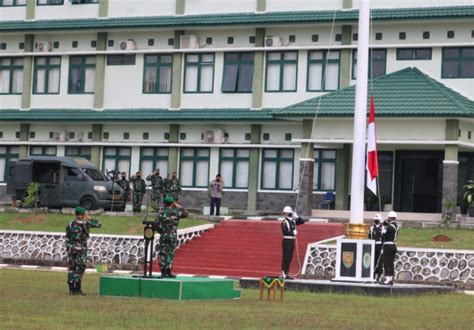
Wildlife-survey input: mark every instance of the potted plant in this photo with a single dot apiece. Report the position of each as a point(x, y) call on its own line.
point(469, 197)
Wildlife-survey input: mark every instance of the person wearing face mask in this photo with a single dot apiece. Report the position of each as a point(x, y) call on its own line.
point(172, 186)
point(375, 233)
point(139, 189)
point(288, 229)
point(215, 192)
point(125, 185)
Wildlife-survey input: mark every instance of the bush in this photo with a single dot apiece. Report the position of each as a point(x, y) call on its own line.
point(32, 198)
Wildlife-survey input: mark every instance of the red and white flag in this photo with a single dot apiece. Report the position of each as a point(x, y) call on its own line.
point(372, 159)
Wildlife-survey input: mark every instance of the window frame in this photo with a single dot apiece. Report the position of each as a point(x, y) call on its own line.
point(278, 160)
point(79, 153)
point(320, 161)
point(50, 3)
point(354, 63)
point(459, 60)
point(85, 2)
point(83, 66)
point(14, 4)
point(199, 64)
point(195, 158)
point(154, 158)
point(282, 63)
point(235, 159)
point(43, 148)
point(157, 66)
point(239, 63)
point(12, 67)
point(323, 72)
point(414, 58)
point(124, 59)
point(117, 157)
point(47, 67)
point(8, 155)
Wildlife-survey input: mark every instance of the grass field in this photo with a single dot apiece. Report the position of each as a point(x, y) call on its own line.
point(58, 222)
point(34, 299)
point(418, 237)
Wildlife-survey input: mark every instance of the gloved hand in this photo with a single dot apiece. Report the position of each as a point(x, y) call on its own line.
point(295, 215)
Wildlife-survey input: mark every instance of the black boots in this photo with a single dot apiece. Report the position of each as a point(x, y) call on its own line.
point(75, 289)
point(170, 274)
point(71, 288)
point(78, 289)
point(166, 273)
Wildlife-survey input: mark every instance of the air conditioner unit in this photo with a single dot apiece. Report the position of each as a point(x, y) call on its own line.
point(273, 41)
point(43, 46)
point(80, 136)
point(213, 136)
point(128, 45)
point(189, 41)
point(60, 136)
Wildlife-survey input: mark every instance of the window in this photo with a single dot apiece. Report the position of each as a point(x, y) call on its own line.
point(7, 153)
point(324, 170)
point(377, 63)
point(194, 167)
point(7, 3)
point(458, 62)
point(413, 54)
point(116, 158)
point(11, 75)
point(281, 72)
point(199, 73)
point(50, 2)
point(234, 167)
point(238, 73)
point(121, 59)
point(47, 75)
point(277, 168)
point(318, 71)
point(83, 152)
point(73, 174)
point(81, 74)
point(82, 2)
point(157, 75)
point(42, 151)
point(152, 159)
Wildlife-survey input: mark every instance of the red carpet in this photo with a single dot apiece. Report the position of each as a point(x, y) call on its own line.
point(246, 248)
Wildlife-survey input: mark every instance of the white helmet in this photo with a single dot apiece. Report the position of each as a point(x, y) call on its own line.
point(287, 209)
point(392, 214)
point(378, 217)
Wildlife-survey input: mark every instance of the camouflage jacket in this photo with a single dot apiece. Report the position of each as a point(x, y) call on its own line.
point(124, 184)
point(172, 186)
point(156, 182)
point(77, 234)
point(138, 185)
point(168, 220)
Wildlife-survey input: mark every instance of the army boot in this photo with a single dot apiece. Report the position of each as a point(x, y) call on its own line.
point(71, 288)
point(169, 274)
point(78, 289)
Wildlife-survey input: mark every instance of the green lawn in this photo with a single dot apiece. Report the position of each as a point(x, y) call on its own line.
point(418, 237)
point(34, 299)
point(58, 222)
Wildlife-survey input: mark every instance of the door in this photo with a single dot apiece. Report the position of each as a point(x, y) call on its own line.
point(73, 186)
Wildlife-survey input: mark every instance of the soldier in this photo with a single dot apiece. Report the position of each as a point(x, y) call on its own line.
point(375, 233)
point(125, 185)
point(77, 233)
point(172, 186)
point(168, 220)
point(389, 247)
point(139, 189)
point(157, 188)
point(288, 228)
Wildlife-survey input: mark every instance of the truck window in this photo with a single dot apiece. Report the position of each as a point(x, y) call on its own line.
point(94, 174)
point(46, 172)
point(72, 174)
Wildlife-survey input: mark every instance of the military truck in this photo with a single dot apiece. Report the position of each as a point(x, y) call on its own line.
point(65, 182)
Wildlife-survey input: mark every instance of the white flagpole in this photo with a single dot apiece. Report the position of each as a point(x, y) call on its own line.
point(360, 117)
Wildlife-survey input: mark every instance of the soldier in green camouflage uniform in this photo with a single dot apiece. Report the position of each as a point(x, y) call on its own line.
point(77, 234)
point(157, 188)
point(172, 186)
point(125, 185)
point(139, 189)
point(168, 220)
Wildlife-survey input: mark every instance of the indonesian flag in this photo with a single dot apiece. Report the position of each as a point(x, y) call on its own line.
point(372, 159)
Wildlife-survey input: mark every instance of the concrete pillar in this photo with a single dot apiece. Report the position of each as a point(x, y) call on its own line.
point(173, 151)
point(177, 73)
point(306, 177)
point(103, 8)
point(30, 9)
point(24, 136)
point(261, 5)
point(345, 59)
point(343, 157)
point(100, 71)
point(254, 157)
point(27, 73)
point(257, 84)
point(95, 150)
point(450, 169)
point(180, 7)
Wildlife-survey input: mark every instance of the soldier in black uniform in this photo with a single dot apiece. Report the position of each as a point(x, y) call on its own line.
point(375, 233)
point(389, 250)
point(288, 228)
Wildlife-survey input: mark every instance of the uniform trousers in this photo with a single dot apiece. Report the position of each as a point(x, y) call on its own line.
point(288, 246)
point(389, 252)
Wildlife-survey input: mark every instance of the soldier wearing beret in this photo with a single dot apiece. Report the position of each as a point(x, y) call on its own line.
point(139, 189)
point(125, 185)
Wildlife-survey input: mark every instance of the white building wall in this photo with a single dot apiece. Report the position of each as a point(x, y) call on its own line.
point(12, 13)
point(120, 8)
point(297, 5)
point(9, 131)
point(67, 10)
point(219, 6)
point(410, 3)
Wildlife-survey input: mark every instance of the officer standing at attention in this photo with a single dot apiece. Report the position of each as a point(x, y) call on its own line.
point(168, 220)
point(172, 186)
point(215, 192)
point(139, 189)
point(288, 228)
point(125, 185)
point(156, 187)
point(389, 239)
point(375, 233)
point(77, 234)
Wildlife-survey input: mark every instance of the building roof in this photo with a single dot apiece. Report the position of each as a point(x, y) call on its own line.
point(134, 115)
point(268, 18)
point(405, 93)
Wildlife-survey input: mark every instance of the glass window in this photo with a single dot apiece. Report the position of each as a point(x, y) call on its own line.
point(47, 75)
point(377, 63)
point(81, 74)
point(11, 75)
point(323, 66)
point(281, 72)
point(83, 152)
point(194, 167)
point(199, 73)
point(7, 3)
point(238, 72)
point(277, 169)
point(7, 153)
point(234, 167)
point(413, 54)
point(157, 74)
point(50, 2)
point(152, 159)
point(117, 158)
point(81, 2)
point(458, 62)
point(324, 170)
point(121, 59)
point(43, 150)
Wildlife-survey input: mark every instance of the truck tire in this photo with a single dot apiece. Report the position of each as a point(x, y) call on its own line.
point(88, 203)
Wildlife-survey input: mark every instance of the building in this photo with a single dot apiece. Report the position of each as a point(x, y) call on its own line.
point(258, 90)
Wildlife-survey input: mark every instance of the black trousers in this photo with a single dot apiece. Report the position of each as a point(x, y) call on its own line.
point(389, 252)
point(288, 246)
point(378, 264)
point(215, 202)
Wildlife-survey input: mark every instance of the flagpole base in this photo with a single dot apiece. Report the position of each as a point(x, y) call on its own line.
point(357, 230)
